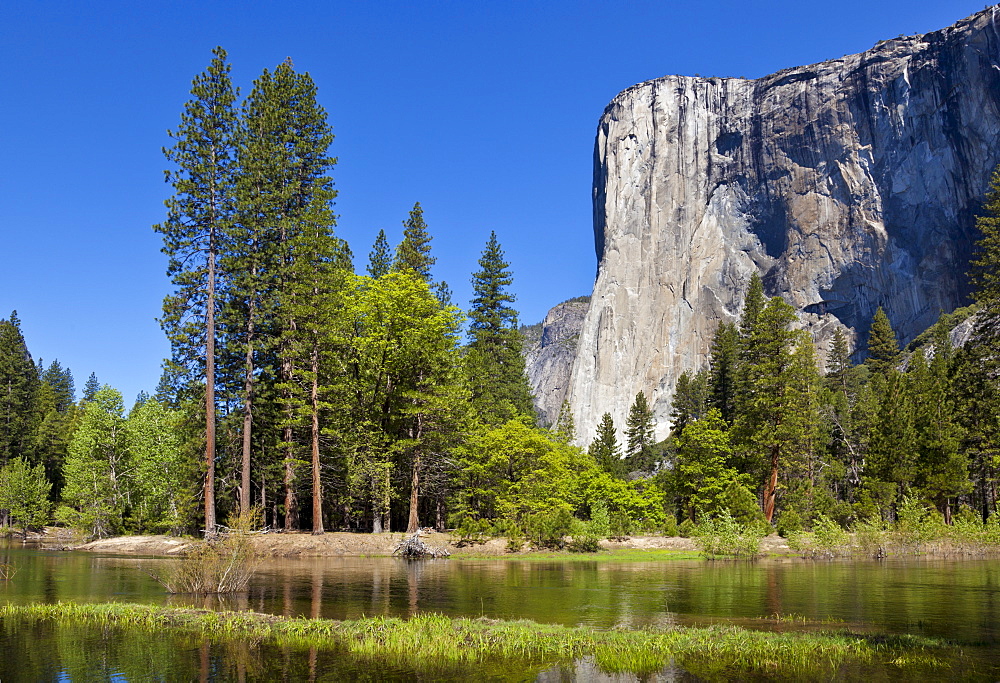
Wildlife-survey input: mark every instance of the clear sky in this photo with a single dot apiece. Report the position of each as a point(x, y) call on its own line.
point(484, 112)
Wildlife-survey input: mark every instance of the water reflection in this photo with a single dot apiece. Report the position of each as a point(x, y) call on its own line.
point(958, 600)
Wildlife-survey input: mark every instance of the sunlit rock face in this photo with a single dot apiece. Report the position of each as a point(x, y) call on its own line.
point(847, 184)
point(550, 354)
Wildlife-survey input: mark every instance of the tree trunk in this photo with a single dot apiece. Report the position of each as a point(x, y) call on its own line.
point(317, 489)
point(248, 385)
point(210, 390)
point(414, 523)
point(771, 490)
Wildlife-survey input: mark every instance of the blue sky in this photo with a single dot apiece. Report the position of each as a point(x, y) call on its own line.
point(485, 113)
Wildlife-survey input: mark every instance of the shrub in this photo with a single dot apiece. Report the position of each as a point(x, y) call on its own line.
point(789, 522)
point(916, 525)
point(600, 519)
point(547, 528)
point(722, 535)
point(686, 528)
point(872, 536)
point(670, 526)
point(224, 564)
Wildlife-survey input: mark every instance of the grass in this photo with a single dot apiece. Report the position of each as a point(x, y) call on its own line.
point(431, 640)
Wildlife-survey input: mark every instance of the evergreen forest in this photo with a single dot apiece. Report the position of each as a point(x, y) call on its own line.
point(332, 397)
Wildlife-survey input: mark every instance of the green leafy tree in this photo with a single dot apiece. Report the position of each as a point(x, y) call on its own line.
point(883, 348)
point(164, 487)
point(97, 492)
point(705, 470)
point(24, 494)
point(380, 258)
point(604, 449)
point(515, 472)
point(197, 216)
point(494, 362)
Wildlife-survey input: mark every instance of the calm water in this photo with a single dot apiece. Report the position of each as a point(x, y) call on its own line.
point(956, 600)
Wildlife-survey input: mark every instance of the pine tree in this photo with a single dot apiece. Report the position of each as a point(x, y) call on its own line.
point(722, 371)
point(414, 252)
point(90, 389)
point(604, 448)
point(197, 216)
point(985, 266)
point(61, 381)
point(494, 362)
point(19, 387)
point(883, 348)
point(380, 258)
point(838, 361)
point(639, 430)
point(753, 305)
point(691, 396)
point(776, 401)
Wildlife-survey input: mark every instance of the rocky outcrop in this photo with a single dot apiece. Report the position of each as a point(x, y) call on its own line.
point(847, 184)
point(550, 350)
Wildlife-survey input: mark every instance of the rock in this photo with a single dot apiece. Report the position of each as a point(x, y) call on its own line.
point(847, 184)
point(550, 349)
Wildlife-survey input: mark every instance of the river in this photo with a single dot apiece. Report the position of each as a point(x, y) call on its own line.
point(957, 600)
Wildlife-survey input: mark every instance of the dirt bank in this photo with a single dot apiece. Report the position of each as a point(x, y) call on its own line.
point(341, 544)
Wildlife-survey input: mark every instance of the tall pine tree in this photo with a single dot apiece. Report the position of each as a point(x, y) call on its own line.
point(197, 215)
point(494, 362)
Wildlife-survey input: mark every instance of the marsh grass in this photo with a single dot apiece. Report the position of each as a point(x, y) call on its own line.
point(429, 641)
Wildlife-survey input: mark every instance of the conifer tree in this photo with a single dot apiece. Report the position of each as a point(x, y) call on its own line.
point(691, 395)
point(380, 258)
point(776, 402)
point(883, 348)
point(90, 388)
point(197, 216)
point(19, 388)
point(753, 305)
point(985, 266)
point(722, 371)
point(605, 449)
point(414, 252)
point(639, 429)
point(494, 362)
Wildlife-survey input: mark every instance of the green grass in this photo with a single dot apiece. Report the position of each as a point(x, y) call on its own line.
point(431, 640)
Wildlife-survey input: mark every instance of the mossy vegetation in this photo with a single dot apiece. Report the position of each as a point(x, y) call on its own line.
point(433, 641)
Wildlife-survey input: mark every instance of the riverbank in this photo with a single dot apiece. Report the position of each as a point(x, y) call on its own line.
point(344, 544)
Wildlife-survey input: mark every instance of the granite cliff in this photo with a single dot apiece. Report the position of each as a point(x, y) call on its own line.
point(847, 184)
point(550, 349)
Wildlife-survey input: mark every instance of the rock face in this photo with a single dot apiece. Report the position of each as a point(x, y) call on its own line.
point(549, 355)
point(847, 184)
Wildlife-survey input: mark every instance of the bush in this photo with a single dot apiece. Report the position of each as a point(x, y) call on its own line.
point(224, 564)
point(622, 526)
point(670, 526)
point(547, 528)
point(827, 539)
point(686, 529)
point(916, 525)
point(789, 522)
point(872, 536)
point(722, 535)
point(600, 519)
